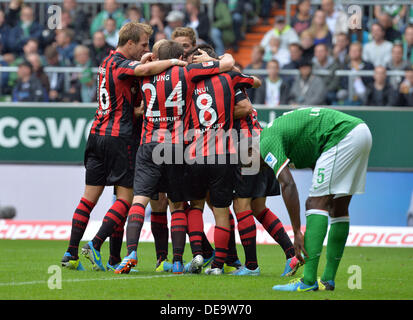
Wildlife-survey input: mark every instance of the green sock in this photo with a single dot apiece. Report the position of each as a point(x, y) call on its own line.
point(337, 238)
point(316, 229)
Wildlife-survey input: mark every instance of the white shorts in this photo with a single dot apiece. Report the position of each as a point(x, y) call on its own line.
point(341, 170)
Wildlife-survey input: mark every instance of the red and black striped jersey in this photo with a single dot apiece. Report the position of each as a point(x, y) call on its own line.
point(249, 126)
point(117, 96)
point(212, 114)
point(166, 98)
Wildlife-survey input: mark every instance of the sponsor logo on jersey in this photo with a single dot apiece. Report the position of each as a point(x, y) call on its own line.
point(270, 160)
point(133, 63)
point(207, 64)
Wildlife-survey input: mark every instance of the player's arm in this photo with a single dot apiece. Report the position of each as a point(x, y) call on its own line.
point(292, 203)
point(156, 67)
point(226, 61)
point(243, 106)
point(257, 82)
point(242, 109)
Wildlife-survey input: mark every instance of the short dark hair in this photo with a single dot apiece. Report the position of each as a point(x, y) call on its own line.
point(170, 50)
point(205, 47)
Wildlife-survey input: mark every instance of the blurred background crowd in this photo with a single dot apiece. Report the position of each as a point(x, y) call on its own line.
point(304, 58)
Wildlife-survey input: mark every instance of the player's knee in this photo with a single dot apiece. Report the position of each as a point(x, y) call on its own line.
point(323, 203)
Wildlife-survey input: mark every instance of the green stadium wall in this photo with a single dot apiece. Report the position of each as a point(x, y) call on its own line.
point(32, 133)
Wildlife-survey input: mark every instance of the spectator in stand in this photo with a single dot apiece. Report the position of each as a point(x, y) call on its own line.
point(134, 14)
point(157, 21)
point(307, 44)
point(406, 89)
point(381, 93)
point(79, 19)
point(377, 51)
point(302, 18)
point(319, 29)
point(86, 77)
point(340, 49)
point(396, 13)
point(257, 63)
point(282, 30)
point(396, 63)
point(4, 33)
point(273, 91)
point(111, 33)
point(241, 11)
point(28, 88)
point(323, 61)
point(390, 34)
point(185, 36)
point(26, 29)
point(65, 45)
point(56, 79)
point(38, 72)
point(336, 18)
point(360, 83)
point(99, 49)
point(257, 58)
point(296, 55)
point(408, 44)
point(282, 55)
point(175, 19)
point(198, 20)
point(222, 31)
point(111, 9)
point(307, 88)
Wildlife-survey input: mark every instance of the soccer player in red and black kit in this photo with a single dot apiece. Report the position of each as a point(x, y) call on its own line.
point(166, 97)
point(214, 152)
point(112, 144)
point(250, 194)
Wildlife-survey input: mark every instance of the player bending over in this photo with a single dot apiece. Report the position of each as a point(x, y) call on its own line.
point(337, 147)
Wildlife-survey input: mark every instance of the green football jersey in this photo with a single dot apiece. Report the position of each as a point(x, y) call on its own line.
point(301, 136)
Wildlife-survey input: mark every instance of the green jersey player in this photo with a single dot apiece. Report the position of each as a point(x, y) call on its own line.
point(337, 147)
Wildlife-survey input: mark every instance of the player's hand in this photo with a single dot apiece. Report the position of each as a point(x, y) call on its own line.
point(203, 57)
point(179, 63)
point(139, 110)
point(299, 246)
point(147, 57)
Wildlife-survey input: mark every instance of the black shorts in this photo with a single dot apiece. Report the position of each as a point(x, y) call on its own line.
point(218, 179)
point(110, 161)
point(151, 178)
point(262, 184)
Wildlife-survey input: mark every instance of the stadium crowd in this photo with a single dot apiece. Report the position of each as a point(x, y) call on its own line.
point(318, 39)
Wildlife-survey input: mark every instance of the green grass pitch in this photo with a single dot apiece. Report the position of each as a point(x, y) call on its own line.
point(386, 273)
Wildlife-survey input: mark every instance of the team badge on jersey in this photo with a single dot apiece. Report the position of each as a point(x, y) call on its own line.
point(270, 160)
point(133, 63)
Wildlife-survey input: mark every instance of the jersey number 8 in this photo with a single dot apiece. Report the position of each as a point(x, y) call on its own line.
point(204, 107)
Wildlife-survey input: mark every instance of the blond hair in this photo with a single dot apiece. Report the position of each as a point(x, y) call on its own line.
point(156, 46)
point(184, 32)
point(133, 31)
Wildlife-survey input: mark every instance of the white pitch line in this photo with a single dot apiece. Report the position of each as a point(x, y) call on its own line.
point(5, 284)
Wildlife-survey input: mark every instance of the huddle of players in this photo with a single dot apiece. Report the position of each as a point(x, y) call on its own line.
point(205, 95)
